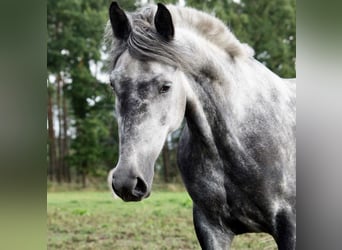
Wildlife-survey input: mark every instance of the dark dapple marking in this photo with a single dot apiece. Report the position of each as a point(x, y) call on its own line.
point(208, 72)
point(237, 150)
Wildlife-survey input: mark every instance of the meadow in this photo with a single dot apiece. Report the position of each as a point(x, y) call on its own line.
point(94, 220)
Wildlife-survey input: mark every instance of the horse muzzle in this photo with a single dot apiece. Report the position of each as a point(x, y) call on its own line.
point(129, 187)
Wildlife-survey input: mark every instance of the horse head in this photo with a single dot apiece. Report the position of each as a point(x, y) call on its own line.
point(150, 103)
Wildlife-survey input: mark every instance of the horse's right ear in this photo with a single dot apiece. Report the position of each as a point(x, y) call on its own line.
point(163, 22)
point(119, 21)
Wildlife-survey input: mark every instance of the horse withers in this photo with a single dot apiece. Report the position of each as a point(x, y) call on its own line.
point(237, 150)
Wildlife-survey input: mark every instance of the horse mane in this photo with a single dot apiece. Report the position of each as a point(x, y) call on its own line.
point(145, 43)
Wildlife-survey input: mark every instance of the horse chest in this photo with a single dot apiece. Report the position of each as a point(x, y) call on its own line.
point(211, 188)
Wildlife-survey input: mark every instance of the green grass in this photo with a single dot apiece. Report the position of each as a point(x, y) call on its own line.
point(94, 220)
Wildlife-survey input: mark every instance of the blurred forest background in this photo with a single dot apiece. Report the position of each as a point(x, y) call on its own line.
point(82, 141)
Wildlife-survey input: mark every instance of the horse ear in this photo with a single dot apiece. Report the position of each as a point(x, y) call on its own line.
point(163, 22)
point(119, 21)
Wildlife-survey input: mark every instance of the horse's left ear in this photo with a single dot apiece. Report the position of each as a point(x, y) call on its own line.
point(163, 22)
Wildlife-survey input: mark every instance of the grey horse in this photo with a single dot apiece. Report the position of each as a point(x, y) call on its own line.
point(237, 151)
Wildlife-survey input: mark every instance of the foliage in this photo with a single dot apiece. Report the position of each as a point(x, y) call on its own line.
point(93, 220)
point(73, 26)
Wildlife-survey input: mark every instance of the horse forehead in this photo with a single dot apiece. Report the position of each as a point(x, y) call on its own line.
point(137, 70)
point(128, 67)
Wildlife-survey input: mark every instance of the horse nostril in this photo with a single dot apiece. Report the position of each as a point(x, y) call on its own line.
point(140, 188)
point(129, 189)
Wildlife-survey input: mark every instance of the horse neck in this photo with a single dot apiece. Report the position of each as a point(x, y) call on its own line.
point(218, 107)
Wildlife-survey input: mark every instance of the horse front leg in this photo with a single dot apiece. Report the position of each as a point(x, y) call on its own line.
point(285, 235)
point(210, 237)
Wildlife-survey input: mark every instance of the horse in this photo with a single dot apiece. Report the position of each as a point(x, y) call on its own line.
point(237, 150)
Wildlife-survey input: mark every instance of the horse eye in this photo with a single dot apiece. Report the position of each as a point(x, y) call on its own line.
point(112, 85)
point(165, 88)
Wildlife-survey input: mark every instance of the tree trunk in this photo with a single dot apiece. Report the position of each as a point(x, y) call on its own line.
point(59, 140)
point(84, 174)
point(166, 162)
point(65, 165)
point(51, 134)
point(84, 180)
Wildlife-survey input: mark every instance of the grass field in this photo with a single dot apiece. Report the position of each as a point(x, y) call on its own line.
point(94, 220)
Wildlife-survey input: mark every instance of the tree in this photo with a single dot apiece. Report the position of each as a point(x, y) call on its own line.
point(75, 31)
point(51, 135)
